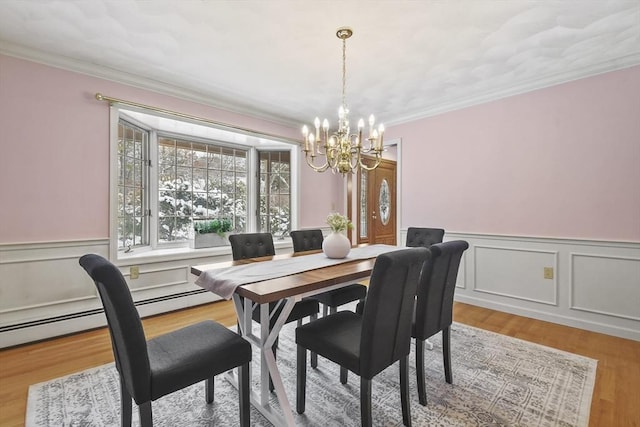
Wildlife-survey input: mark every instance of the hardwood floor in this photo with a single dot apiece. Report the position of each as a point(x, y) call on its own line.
point(616, 398)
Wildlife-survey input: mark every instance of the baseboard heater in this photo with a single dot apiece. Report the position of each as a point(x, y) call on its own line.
point(86, 313)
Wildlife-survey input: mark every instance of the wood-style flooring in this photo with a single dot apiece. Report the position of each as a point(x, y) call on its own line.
point(616, 398)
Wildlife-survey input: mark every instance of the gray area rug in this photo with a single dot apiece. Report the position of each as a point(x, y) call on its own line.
point(497, 381)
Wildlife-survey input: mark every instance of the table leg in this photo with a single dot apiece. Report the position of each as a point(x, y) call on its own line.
point(268, 360)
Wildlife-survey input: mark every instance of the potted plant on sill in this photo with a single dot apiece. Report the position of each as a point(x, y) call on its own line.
point(210, 233)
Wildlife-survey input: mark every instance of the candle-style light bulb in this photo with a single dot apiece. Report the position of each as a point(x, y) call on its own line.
point(372, 120)
point(316, 123)
point(325, 125)
point(305, 133)
point(381, 130)
point(311, 144)
point(341, 112)
point(360, 124)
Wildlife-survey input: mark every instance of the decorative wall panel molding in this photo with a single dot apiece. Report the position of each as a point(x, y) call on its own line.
point(595, 276)
point(515, 273)
point(594, 285)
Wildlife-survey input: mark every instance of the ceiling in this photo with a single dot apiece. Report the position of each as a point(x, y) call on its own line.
point(282, 60)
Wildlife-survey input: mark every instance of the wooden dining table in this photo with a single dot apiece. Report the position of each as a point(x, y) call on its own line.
point(285, 291)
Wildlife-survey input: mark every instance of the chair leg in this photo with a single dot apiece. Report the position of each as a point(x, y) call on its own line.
point(314, 356)
point(325, 310)
point(344, 374)
point(404, 391)
point(125, 405)
point(146, 419)
point(208, 387)
point(446, 354)
point(333, 310)
point(301, 379)
point(243, 391)
point(422, 393)
point(365, 402)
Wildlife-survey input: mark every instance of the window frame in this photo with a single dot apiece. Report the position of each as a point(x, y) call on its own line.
point(144, 174)
point(252, 142)
point(257, 194)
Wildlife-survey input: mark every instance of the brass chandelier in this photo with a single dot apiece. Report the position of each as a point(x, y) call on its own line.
point(342, 150)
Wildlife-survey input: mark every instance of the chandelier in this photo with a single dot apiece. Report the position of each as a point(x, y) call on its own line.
point(342, 150)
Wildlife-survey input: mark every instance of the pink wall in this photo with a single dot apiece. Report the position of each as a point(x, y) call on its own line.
point(558, 162)
point(54, 166)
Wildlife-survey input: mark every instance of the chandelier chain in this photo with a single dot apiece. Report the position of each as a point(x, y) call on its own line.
point(344, 71)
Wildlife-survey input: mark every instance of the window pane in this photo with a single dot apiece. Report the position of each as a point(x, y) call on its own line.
point(166, 152)
point(200, 205)
point(214, 180)
point(132, 155)
point(274, 198)
point(214, 158)
point(228, 182)
point(241, 161)
point(199, 179)
point(213, 205)
point(228, 161)
point(204, 184)
point(184, 153)
point(364, 207)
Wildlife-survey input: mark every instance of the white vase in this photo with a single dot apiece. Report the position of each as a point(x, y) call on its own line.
point(336, 245)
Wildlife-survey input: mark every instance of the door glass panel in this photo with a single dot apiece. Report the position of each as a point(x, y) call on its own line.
point(364, 207)
point(384, 202)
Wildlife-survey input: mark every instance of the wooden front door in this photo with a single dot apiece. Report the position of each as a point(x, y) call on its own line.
point(377, 204)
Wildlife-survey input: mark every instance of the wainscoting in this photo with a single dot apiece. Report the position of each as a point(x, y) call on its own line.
point(592, 285)
point(45, 293)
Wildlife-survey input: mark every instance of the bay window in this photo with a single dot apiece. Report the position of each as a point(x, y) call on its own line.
point(170, 173)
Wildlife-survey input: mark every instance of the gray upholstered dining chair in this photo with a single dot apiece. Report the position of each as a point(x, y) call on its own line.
point(434, 306)
point(416, 237)
point(422, 236)
point(253, 245)
point(381, 336)
point(162, 365)
point(307, 240)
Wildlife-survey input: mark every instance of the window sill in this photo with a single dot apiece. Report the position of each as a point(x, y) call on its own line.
point(148, 255)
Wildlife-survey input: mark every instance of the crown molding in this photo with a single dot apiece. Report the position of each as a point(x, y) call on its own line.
point(527, 86)
point(137, 81)
point(445, 106)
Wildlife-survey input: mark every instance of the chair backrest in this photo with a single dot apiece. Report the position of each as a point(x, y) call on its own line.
point(388, 310)
point(127, 335)
point(425, 237)
point(434, 305)
point(306, 240)
point(251, 245)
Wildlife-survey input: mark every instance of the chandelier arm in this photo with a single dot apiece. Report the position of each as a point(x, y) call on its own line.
point(309, 160)
point(370, 168)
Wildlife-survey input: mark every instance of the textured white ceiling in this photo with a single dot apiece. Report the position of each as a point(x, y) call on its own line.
point(282, 60)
